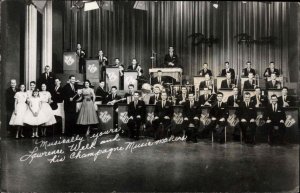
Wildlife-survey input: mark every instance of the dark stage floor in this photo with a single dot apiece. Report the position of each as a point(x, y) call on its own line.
point(175, 166)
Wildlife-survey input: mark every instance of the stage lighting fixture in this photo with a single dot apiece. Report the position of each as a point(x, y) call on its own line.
point(215, 4)
point(91, 6)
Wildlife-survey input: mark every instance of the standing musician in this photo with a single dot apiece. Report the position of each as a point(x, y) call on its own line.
point(171, 59)
point(81, 54)
point(103, 62)
point(228, 82)
point(156, 97)
point(258, 99)
point(248, 69)
point(183, 97)
point(205, 70)
point(206, 99)
point(273, 83)
point(136, 66)
point(250, 83)
point(137, 115)
point(271, 70)
point(235, 99)
point(247, 115)
point(227, 69)
point(284, 100)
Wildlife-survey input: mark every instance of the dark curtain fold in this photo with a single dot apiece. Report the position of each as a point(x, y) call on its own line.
point(128, 33)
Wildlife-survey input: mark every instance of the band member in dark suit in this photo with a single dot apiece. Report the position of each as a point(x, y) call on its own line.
point(101, 93)
point(136, 114)
point(57, 97)
point(218, 114)
point(247, 115)
point(206, 83)
point(285, 100)
point(248, 70)
point(136, 66)
point(227, 69)
point(275, 118)
point(114, 99)
point(81, 54)
point(129, 95)
point(10, 101)
point(103, 62)
point(271, 70)
point(259, 100)
point(48, 78)
point(159, 79)
point(206, 99)
point(156, 97)
point(171, 59)
point(163, 114)
point(250, 83)
point(273, 83)
point(182, 97)
point(70, 96)
point(191, 121)
point(205, 70)
point(235, 99)
point(228, 82)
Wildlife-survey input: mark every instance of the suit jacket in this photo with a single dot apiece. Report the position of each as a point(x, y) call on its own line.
point(109, 98)
point(102, 62)
point(247, 84)
point(219, 113)
point(189, 112)
point(275, 117)
point(230, 100)
point(50, 82)
point(269, 72)
point(246, 113)
point(101, 94)
point(173, 59)
point(80, 53)
point(289, 100)
point(210, 99)
point(155, 80)
point(263, 100)
point(202, 73)
point(166, 111)
point(270, 85)
point(57, 95)
point(225, 85)
point(203, 84)
point(69, 106)
point(152, 99)
point(223, 73)
point(10, 100)
point(180, 98)
point(140, 109)
point(130, 67)
point(245, 71)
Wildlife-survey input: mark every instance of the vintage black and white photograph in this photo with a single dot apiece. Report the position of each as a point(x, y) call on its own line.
point(149, 96)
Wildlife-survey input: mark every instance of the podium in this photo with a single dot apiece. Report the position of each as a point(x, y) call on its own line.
point(123, 116)
point(71, 62)
point(112, 77)
point(92, 70)
point(106, 117)
point(130, 77)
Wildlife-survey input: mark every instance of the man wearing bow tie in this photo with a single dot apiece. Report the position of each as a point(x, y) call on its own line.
point(48, 78)
point(171, 59)
point(248, 70)
point(285, 100)
point(247, 115)
point(163, 114)
point(136, 114)
point(191, 121)
point(275, 118)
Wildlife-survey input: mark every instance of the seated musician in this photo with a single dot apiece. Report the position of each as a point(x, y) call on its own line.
point(218, 114)
point(206, 83)
point(136, 114)
point(191, 121)
point(136, 66)
point(247, 116)
point(258, 99)
point(156, 97)
point(159, 79)
point(182, 97)
point(206, 99)
point(228, 82)
point(275, 118)
point(284, 100)
point(235, 99)
point(163, 114)
point(129, 96)
point(101, 93)
point(205, 70)
point(248, 70)
point(273, 83)
point(271, 70)
point(250, 83)
point(227, 69)
point(171, 59)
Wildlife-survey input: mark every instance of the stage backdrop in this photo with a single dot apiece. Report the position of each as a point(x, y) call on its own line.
point(126, 32)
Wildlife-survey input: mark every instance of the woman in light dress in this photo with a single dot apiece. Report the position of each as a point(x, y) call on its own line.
point(87, 114)
point(19, 112)
point(46, 109)
point(32, 88)
point(33, 115)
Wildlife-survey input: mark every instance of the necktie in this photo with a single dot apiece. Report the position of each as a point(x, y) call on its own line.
point(113, 97)
point(206, 83)
point(273, 108)
point(247, 104)
point(205, 97)
point(135, 104)
point(228, 83)
point(72, 87)
point(284, 98)
point(234, 98)
point(156, 97)
point(191, 104)
point(56, 88)
point(219, 104)
point(159, 79)
point(163, 104)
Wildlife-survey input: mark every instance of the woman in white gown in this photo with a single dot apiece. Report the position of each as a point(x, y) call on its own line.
point(46, 109)
point(33, 115)
point(19, 112)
